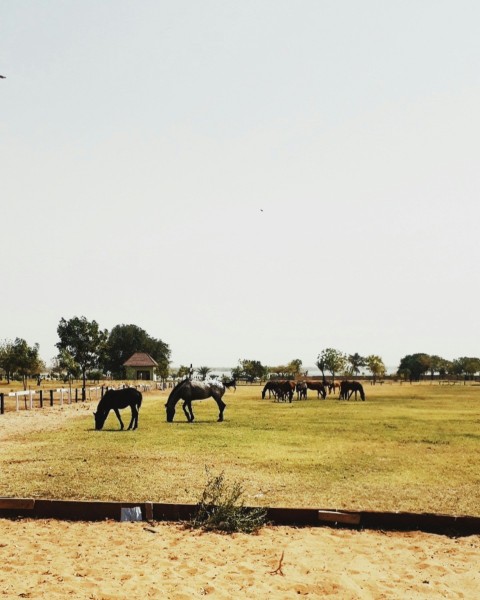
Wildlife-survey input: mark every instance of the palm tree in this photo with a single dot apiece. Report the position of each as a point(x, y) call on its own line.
point(356, 361)
point(203, 372)
point(376, 367)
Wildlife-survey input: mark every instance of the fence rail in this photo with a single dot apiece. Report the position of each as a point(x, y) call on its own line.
point(37, 398)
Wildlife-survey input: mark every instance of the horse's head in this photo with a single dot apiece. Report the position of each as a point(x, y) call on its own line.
point(99, 420)
point(170, 412)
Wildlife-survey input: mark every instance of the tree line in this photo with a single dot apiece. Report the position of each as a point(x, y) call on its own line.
point(84, 348)
point(329, 360)
point(414, 367)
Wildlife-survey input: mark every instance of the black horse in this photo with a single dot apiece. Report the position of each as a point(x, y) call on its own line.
point(347, 388)
point(280, 388)
point(188, 390)
point(319, 387)
point(301, 387)
point(231, 384)
point(116, 399)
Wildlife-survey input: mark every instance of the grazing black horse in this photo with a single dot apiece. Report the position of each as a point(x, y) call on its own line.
point(319, 387)
point(301, 387)
point(231, 384)
point(188, 390)
point(116, 399)
point(347, 388)
point(280, 388)
point(269, 387)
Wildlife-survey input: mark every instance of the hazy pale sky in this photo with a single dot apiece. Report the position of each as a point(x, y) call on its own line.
point(243, 179)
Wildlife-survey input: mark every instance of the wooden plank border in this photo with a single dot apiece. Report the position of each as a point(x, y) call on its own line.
point(74, 510)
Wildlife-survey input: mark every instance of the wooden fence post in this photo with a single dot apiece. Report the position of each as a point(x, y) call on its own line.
point(2, 404)
point(51, 397)
point(41, 398)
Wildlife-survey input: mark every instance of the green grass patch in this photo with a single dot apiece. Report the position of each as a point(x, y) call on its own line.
point(411, 448)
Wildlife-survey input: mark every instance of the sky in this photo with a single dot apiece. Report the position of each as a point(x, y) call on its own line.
point(243, 180)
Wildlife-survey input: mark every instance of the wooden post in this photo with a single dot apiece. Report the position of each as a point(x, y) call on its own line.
point(51, 397)
point(2, 404)
point(41, 398)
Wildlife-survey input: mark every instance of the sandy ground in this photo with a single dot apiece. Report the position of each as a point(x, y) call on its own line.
point(112, 560)
point(14, 423)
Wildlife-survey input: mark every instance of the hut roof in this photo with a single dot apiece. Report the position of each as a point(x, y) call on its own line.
point(140, 359)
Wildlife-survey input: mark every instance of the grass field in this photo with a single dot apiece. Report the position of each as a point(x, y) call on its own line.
point(407, 448)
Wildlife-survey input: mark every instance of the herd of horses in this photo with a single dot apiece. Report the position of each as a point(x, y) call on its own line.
point(283, 390)
point(189, 390)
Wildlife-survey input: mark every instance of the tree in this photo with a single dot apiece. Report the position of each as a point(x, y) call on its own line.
point(84, 341)
point(445, 367)
point(436, 364)
point(66, 367)
point(7, 359)
point(295, 367)
point(356, 361)
point(289, 371)
point(125, 340)
point(24, 360)
point(203, 372)
point(183, 371)
point(331, 360)
point(249, 370)
point(466, 366)
point(413, 366)
point(376, 367)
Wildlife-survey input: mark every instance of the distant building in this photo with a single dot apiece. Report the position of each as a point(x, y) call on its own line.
point(140, 366)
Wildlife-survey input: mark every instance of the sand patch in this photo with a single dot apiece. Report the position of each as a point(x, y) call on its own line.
point(111, 560)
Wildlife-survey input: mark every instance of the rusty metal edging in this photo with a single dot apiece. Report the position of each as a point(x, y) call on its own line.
point(84, 510)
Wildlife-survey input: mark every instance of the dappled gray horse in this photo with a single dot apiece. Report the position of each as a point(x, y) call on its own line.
point(188, 390)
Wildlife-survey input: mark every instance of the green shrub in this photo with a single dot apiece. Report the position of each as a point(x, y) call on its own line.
point(221, 508)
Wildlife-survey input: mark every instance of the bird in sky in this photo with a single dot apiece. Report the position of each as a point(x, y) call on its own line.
point(2, 77)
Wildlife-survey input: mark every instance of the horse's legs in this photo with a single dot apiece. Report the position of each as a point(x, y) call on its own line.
point(221, 407)
point(117, 412)
point(187, 409)
point(134, 419)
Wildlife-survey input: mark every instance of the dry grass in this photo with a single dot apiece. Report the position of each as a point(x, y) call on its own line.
point(408, 447)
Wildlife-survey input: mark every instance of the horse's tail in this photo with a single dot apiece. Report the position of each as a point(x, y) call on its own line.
point(140, 398)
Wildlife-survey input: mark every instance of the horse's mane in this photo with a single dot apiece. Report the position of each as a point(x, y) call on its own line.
point(177, 385)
